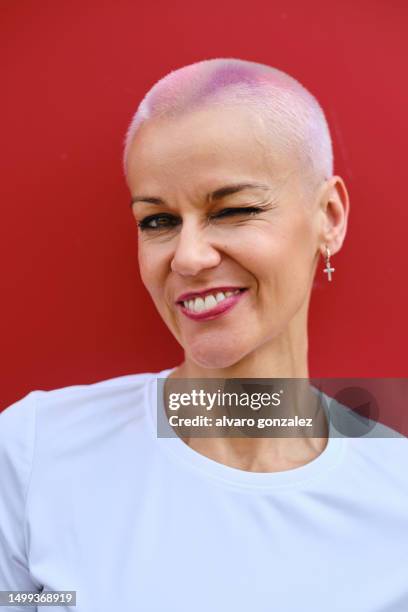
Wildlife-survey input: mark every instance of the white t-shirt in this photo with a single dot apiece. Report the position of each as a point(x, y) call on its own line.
point(91, 500)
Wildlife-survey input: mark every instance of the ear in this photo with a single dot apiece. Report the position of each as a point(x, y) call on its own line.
point(334, 206)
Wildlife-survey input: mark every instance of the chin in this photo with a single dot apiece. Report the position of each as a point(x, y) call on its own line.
point(213, 356)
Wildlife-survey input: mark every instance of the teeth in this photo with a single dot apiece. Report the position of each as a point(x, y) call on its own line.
point(210, 302)
point(199, 304)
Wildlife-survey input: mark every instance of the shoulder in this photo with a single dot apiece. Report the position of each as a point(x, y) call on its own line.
point(375, 451)
point(95, 408)
point(50, 418)
point(95, 394)
point(18, 417)
point(113, 394)
point(17, 432)
point(348, 423)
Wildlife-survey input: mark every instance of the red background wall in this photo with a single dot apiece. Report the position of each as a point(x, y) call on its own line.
point(73, 307)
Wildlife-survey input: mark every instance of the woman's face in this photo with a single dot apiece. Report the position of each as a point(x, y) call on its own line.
point(258, 233)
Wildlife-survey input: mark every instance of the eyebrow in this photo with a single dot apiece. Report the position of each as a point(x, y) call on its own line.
point(218, 194)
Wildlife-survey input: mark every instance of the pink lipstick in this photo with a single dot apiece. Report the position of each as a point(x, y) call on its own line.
point(217, 310)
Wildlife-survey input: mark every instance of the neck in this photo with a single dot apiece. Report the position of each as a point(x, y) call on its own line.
point(263, 454)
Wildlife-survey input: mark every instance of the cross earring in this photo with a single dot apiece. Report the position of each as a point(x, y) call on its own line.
point(328, 270)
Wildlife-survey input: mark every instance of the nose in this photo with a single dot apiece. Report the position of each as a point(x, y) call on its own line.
point(193, 252)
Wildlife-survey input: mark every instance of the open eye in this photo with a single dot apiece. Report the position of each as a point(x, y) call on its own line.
point(155, 222)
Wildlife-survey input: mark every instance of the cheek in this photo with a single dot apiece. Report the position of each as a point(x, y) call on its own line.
point(276, 256)
point(261, 252)
point(149, 267)
point(153, 270)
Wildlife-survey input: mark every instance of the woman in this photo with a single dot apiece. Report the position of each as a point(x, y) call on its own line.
point(229, 166)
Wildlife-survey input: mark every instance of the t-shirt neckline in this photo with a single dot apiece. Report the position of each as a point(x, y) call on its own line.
point(176, 448)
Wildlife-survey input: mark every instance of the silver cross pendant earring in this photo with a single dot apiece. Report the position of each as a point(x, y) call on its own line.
point(328, 270)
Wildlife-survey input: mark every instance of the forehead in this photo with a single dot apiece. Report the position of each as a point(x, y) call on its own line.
point(204, 146)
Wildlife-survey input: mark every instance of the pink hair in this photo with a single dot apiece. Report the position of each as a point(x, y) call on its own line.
point(290, 112)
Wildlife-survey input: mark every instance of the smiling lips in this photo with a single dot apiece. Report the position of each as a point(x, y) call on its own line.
point(209, 304)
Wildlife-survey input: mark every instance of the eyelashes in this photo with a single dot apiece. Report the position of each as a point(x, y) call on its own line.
point(157, 222)
point(166, 221)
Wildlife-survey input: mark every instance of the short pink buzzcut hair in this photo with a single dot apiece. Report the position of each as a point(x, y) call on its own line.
point(290, 113)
